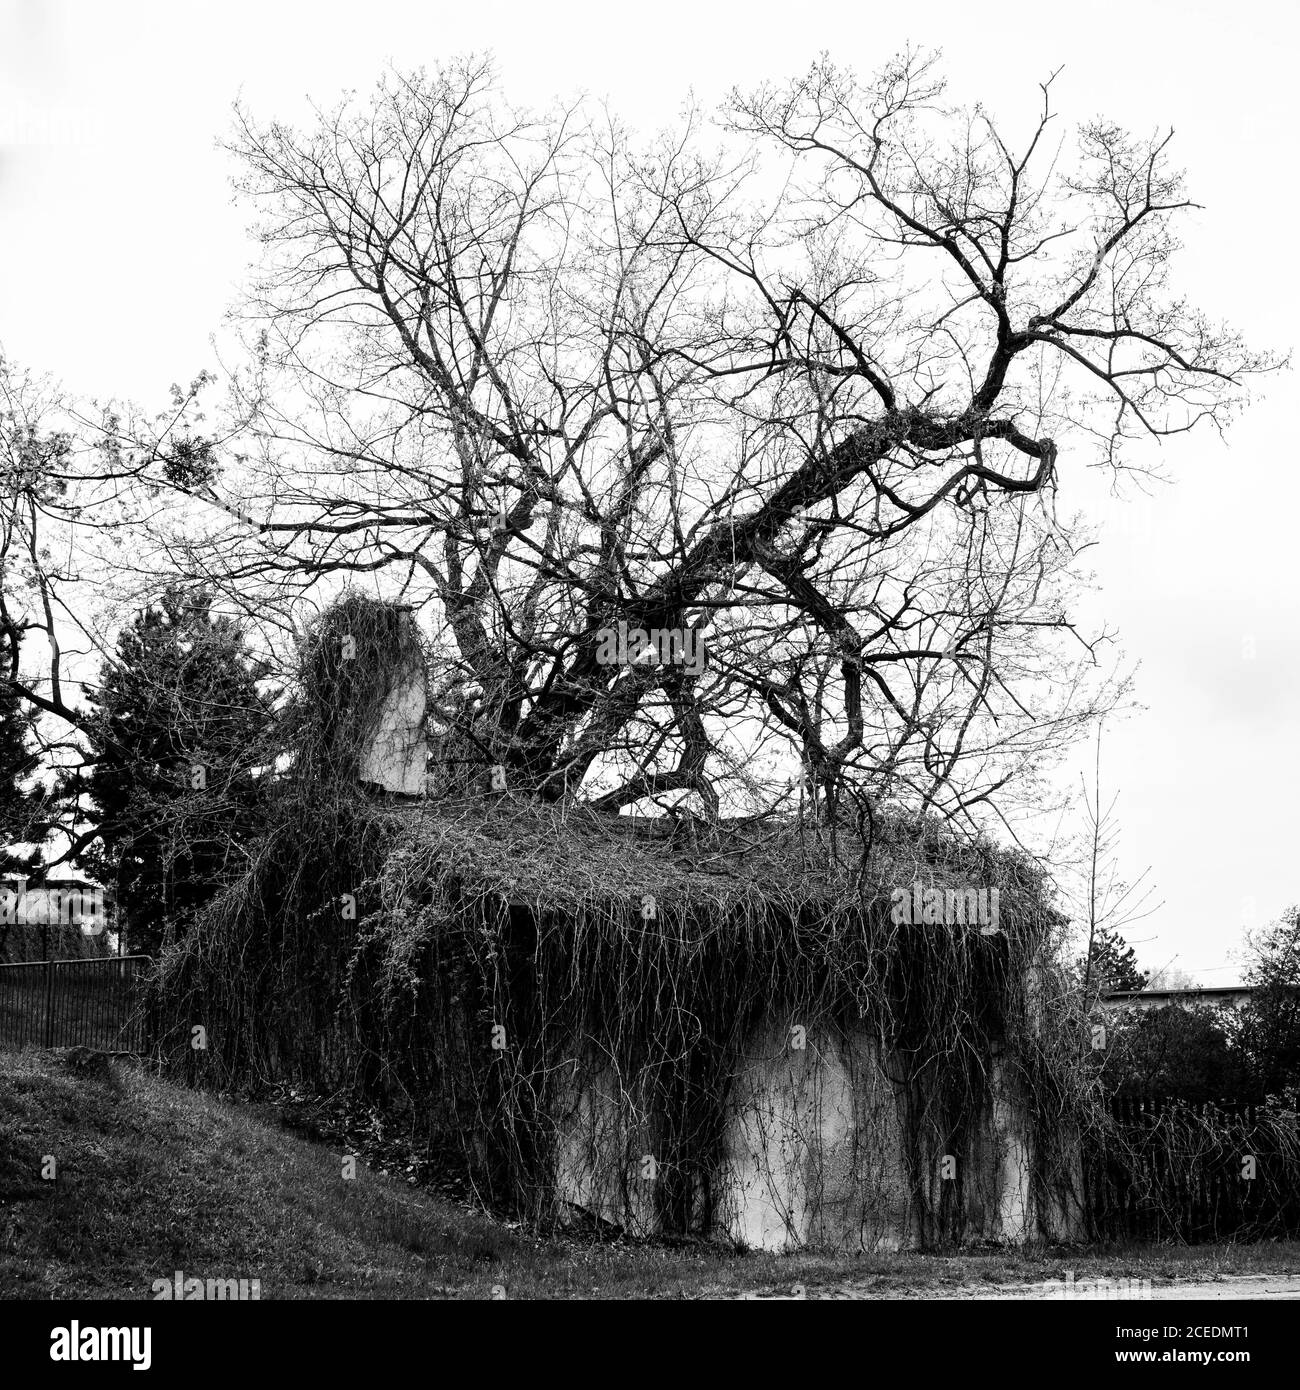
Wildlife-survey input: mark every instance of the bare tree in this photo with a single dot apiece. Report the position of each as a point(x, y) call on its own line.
point(71, 498)
point(50, 483)
point(801, 383)
point(1110, 903)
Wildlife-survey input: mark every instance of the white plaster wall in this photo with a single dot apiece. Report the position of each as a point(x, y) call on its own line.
point(396, 755)
point(601, 1135)
point(1013, 1164)
point(998, 1165)
point(812, 1148)
point(812, 1154)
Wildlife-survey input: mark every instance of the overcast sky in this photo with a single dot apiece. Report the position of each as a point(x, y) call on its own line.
point(120, 249)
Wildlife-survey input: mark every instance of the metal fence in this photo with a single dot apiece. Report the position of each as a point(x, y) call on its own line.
point(1183, 1175)
point(68, 1003)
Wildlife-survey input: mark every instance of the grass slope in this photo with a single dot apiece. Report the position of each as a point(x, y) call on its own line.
point(152, 1178)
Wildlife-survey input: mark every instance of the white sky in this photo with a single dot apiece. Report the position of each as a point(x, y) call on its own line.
point(120, 250)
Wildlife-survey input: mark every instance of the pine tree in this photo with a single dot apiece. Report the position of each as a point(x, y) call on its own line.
point(178, 730)
point(1112, 963)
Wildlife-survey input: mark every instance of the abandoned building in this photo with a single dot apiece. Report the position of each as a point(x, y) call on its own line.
point(663, 1027)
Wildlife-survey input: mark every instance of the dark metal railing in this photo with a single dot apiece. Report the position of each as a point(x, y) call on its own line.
point(69, 1003)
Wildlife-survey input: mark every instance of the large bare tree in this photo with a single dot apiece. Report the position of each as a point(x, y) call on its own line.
point(805, 380)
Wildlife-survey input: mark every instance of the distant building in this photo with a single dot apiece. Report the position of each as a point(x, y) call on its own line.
point(1224, 996)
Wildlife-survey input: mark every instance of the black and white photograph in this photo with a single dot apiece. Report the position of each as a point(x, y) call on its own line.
point(648, 654)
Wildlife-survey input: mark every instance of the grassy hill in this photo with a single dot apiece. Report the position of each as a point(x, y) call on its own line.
point(152, 1178)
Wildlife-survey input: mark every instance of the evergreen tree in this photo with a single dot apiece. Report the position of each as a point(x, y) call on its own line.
point(1111, 963)
point(1270, 1022)
point(177, 733)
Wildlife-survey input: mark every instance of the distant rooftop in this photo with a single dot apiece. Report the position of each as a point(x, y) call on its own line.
point(1191, 992)
point(1235, 995)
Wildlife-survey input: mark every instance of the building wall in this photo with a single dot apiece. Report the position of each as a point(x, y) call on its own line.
point(396, 754)
point(813, 1155)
